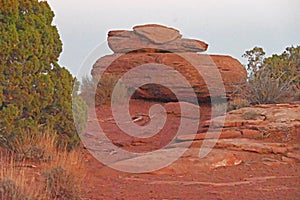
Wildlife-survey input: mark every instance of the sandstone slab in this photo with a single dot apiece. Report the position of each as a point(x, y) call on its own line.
point(222, 134)
point(129, 41)
point(157, 34)
point(252, 146)
point(191, 111)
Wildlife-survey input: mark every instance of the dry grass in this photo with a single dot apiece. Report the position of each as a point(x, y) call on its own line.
point(237, 103)
point(100, 91)
point(38, 170)
point(63, 175)
point(13, 181)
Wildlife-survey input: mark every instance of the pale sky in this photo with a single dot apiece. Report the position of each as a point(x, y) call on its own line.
point(229, 26)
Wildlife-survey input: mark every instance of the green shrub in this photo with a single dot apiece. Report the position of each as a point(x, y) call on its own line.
point(35, 92)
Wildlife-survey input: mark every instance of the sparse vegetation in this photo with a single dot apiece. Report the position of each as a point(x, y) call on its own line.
point(237, 103)
point(100, 91)
point(265, 88)
point(33, 146)
point(52, 174)
point(273, 79)
point(59, 184)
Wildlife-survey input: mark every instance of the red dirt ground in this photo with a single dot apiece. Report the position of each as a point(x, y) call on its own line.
point(252, 179)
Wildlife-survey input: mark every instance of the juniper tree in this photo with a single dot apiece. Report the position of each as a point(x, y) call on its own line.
point(35, 92)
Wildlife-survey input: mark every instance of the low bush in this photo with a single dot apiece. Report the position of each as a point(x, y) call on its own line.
point(237, 103)
point(265, 88)
point(273, 79)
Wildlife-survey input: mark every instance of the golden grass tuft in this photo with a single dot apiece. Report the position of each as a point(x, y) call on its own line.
point(37, 169)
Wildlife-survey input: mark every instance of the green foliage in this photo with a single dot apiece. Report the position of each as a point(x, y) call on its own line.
point(35, 92)
point(255, 59)
point(286, 65)
point(273, 79)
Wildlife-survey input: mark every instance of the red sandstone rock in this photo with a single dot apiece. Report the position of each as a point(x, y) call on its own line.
point(295, 155)
point(288, 160)
point(228, 161)
point(157, 34)
point(127, 41)
point(225, 134)
point(249, 133)
point(245, 145)
point(207, 75)
point(191, 66)
point(277, 120)
point(210, 135)
point(279, 150)
point(192, 111)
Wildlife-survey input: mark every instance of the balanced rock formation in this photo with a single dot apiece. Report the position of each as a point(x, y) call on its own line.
point(157, 46)
point(156, 37)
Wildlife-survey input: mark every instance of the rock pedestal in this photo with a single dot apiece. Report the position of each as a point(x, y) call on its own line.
point(156, 45)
